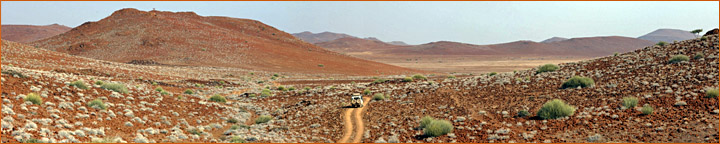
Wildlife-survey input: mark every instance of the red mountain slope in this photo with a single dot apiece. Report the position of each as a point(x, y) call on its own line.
point(184, 38)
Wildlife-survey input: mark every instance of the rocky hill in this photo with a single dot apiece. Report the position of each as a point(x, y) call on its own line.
point(667, 35)
point(29, 33)
point(319, 37)
point(187, 39)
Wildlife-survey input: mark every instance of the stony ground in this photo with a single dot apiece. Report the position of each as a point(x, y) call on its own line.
point(482, 108)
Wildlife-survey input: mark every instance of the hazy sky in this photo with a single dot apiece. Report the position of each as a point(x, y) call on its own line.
point(411, 22)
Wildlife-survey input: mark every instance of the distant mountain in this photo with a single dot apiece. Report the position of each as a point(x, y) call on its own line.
point(319, 37)
point(554, 39)
point(586, 47)
point(667, 35)
point(29, 33)
point(397, 43)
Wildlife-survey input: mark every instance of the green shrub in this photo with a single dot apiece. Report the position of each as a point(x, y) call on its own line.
point(34, 98)
point(265, 93)
point(492, 74)
point(79, 84)
point(237, 139)
point(703, 38)
point(366, 92)
point(281, 88)
point(276, 75)
point(661, 43)
point(407, 79)
point(159, 89)
point(263, 119)
point(547, 68)
point(425, 121)
point(678, 58)
point(99, 82)
point(321, 65)
point(629, 102)
point(97, 103)
point(232, 120)
point(523, 113)
point(419, 77)
point(555, 108)
point(307, 88)
point(711, 93)
point(217, 98)
point(616, 54)
point(378, 96)
point(699, 55)
point(165, 93)
point(154, 83)
point(189, 91)
point(291, 88)
point(438, 128)
point(451, 76)
point(647, 109)
point(30, 140)
point(578, 81)
point(120, 88)
point(379, 81)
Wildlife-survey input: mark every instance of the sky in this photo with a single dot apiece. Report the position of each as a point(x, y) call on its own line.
point(473, 22)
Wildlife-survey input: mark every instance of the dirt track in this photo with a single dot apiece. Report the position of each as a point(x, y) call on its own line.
point(353, 124)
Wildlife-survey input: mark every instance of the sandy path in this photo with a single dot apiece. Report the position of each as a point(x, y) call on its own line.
point(353, 126)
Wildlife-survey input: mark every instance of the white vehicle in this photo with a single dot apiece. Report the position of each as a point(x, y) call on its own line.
point(357, 100)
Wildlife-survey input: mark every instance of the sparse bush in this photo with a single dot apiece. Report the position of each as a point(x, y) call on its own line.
point(159, 89)
point(232, 120)
point(265, 93)
point(218, 98)
point(189, 91)
point(237, 139)
point(451, 76)
point(523, 113)
point(165, 93)
point(438, 128)
point(154, 83)
point(407, 79)
point(379, 81)
point(711, 93)
point(616, 54)
point(276, 75)
point(419, 77)
point(678, 58)
point(30, 140)
point(425, 121)
point(79, 84)
point(307, 89)
point(13, 73)
point(378, 96)
point(647, 109)
point(661, 43)
point(555, 108)
point(97, 104)
point(578, 81)
point(703, 38)
point(263, 119)
point(291, 88)
point(321, 65)
point(492, 74)
point(629, 102)
point(99, 82)
point(699, 55)
point(366, 92)
point(34, 98)
point(547, 68)
point(281, 88)
point(120, 88)
point(194, 131)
